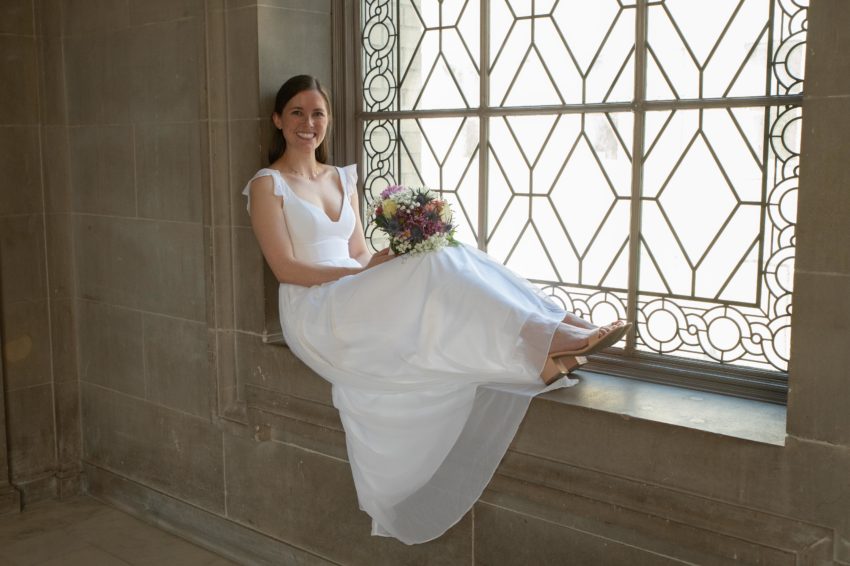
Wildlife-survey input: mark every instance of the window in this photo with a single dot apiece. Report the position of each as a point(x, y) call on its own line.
point(635, 159)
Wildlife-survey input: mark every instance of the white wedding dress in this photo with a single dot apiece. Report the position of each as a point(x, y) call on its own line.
point(433, 361)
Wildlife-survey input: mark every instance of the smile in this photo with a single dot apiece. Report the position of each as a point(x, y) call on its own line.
point(305, 135)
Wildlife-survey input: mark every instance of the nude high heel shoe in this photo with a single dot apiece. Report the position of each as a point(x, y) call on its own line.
point(563, 360)
point(553, 370)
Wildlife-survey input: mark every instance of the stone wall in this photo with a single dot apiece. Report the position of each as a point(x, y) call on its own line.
point(36, 286)
point(156, 115)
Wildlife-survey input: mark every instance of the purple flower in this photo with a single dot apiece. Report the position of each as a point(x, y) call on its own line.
point(391, 190)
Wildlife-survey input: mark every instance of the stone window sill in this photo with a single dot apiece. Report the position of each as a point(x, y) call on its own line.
point(747, 419)
point(726, 415)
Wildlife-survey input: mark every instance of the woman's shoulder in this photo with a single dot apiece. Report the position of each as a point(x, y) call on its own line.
point(348, 173)
point(265, 176)
point(275, 176)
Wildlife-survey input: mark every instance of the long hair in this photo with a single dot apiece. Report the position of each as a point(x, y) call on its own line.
point(293, 86)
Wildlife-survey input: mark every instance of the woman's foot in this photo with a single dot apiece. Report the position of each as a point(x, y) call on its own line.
point(575, 320)
point(569, 337)
point(603, 337)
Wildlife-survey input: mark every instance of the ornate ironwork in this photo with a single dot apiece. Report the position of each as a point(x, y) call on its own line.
point(526, 118)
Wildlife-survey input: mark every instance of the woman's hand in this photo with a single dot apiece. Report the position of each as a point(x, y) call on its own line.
point(377, 259)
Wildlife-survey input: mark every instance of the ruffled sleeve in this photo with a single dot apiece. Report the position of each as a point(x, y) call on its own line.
point(279, 189)
point(349, 176)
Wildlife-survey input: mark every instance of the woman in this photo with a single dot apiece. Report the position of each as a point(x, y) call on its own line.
point(406, 342)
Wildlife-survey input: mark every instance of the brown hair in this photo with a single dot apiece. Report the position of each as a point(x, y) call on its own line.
point(293, 86)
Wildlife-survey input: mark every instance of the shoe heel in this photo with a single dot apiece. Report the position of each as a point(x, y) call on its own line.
point(569, 363)
point(551, 372)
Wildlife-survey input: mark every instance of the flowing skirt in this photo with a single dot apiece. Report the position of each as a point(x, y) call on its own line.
point(433, 360)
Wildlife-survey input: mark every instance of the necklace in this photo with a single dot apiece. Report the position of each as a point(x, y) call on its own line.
point(315, 173)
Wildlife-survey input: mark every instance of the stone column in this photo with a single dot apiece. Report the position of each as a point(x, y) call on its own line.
point(10, 499)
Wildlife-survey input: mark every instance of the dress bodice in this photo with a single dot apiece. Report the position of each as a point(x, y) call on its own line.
point(316, 238)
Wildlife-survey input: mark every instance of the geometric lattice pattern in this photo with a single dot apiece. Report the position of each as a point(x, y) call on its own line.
point(725, 294)
point(530, 131)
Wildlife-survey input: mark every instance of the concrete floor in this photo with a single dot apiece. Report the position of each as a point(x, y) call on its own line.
point(83, 531)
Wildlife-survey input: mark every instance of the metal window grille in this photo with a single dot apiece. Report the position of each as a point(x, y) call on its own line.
point(636, 159)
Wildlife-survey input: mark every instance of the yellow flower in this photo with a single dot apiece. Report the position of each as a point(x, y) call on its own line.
point(389, 207)
point(446, 213)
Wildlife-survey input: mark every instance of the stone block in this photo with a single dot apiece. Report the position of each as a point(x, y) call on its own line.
point(166, 77)
point(172, 452)
point(219, 184)
point(60, 254)
point(143, 264)
point(19, 87)
point(243, 79)
point(506, 537)
point(52, 105)
point(48, 18)
point(56, 175)
point(308, 500)
point(819, 390)
point(42, 487)
point(94, 16)
point(168, 171)
point(312, 425)
point(10, 499)
point(246, 158)
point(321, 6)
point(663, 521)
point(101, 166)
point(22, 269)
point(26, 344)
point(244, 545)
point(225, 370)
point(697, 461)
point(154, 11)
point(63, 337)
point(29, 418)
point(827, 66)
point(223, 276)
point(176, 364)
point(16, 17)
point(69, 441)
point(275, 367)
point(236, 4)
point(248, 281)
point(824, 193)
point(217, 82)
point(20, 169)
point(811, 484)
point(111, 347)
point(209, 277)
point(97, 77)
point(307, 43)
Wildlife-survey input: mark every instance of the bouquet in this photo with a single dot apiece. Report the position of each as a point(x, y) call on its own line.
point(415, 219)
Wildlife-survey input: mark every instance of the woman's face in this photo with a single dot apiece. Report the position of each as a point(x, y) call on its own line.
point(304, 120)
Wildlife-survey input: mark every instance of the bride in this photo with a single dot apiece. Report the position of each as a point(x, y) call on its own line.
point(433, 358)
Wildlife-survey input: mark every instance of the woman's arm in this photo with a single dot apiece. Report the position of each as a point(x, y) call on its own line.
point(269, 226)
point(357, 247)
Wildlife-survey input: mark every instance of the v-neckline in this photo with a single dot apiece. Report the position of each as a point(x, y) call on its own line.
point(314, 205)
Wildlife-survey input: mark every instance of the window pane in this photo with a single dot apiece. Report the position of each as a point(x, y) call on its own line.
point(717, 232)
point(438, 153)
point(567, 52)
point(559, 195)
point(718, 49)
point(420, 54)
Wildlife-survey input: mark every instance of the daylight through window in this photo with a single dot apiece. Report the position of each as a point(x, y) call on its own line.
point(634, 159)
